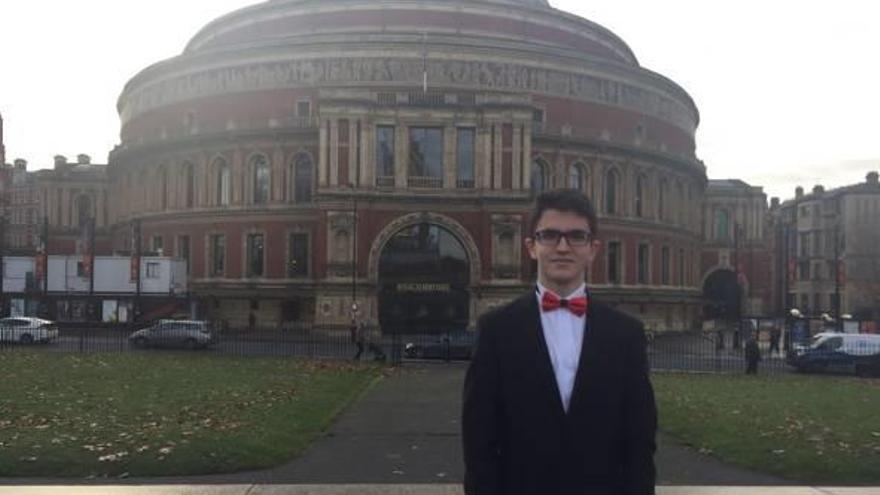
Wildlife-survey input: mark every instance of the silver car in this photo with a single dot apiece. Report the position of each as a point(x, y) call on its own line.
point(187, 334)
point(27, 330)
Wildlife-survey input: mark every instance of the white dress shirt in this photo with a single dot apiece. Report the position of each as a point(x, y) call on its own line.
point(564, 334)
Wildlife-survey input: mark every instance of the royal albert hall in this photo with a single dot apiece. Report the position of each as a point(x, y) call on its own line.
point(307, 156)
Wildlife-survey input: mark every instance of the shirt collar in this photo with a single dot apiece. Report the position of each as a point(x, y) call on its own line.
point(580, 291)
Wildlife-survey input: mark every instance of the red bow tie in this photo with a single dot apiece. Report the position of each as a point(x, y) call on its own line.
point(577, 305)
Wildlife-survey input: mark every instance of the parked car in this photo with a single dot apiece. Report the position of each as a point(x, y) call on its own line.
point(188, 334)
point(27, 330)
point(840, 352)
point(452, 346)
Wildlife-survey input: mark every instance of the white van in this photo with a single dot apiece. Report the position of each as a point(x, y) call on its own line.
point(842, 352)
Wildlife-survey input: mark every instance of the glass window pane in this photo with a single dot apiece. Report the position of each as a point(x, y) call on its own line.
point(426, 152)
point(466, 157)
point(302, 179)
point(298, 259)
point(261, 179)
point(255, 255)
point(385, 151)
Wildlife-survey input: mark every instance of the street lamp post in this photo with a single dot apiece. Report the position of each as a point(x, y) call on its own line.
point(354, 256)
point(839, 321)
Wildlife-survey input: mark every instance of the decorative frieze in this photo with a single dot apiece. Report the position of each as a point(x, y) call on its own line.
point(408, 71)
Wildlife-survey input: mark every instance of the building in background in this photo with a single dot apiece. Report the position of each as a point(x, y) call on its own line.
point(308, 158)
point(316, 162)
point(828, 250)
point(737, 251)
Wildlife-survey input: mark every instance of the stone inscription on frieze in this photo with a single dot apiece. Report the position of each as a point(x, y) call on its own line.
point(483, 74)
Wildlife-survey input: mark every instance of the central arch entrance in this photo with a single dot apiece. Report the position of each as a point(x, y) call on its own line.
point(423, 276)
point(721, 295)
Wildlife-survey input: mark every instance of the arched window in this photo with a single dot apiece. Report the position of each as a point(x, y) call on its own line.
point(190, 182)
point(539, 174)
point(261, 175)
point(576, 176)
point(302, 178)
point(223, 182)
point(611, 182)
point(722, 224)
point(640, 196)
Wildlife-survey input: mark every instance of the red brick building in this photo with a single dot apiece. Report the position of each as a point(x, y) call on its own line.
point(302, 154)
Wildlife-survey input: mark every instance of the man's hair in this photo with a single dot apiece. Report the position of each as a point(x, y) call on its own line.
point(568, 200)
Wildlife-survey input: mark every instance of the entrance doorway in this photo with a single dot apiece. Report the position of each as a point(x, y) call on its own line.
point(424, 273)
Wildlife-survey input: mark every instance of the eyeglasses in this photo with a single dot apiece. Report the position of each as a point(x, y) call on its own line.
point(551, 237)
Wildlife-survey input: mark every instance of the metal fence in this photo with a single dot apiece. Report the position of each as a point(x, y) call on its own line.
point(721, 348)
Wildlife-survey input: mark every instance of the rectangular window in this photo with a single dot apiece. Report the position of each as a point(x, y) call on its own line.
point(255, 255)
point(158, 243)
point(643, 264)
point(153, 269)
point(298, 256)
point(218, 255)
point(183, 250)
point(425, 157)
point(385, 155)
point(664, 265)
point(465, 155)
point(303, 109)
point(614, 262)
point(80, 269)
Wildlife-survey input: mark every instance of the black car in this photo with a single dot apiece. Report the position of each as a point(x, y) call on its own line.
point(451, 346)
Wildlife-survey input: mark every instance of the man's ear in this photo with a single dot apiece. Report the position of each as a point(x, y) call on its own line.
point(530, 246)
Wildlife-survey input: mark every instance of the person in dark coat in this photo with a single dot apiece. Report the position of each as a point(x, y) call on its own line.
point(557, 398)
point(357, 338)
point(752, 355)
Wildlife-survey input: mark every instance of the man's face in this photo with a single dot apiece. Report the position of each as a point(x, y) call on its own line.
point(560, 264)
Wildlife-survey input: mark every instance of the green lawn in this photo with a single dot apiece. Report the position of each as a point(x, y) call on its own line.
point(164, 414)
point(813, 429)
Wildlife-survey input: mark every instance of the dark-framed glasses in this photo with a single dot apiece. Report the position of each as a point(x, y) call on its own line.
point(551, 237)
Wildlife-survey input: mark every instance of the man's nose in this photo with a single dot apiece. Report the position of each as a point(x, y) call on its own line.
point(563, 244)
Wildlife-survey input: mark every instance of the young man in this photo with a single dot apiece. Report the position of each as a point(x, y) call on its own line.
point(557, 398)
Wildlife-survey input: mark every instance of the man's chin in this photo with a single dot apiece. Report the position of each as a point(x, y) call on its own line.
point(565, 279)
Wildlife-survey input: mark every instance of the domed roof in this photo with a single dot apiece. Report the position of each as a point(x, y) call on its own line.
point(532, 22)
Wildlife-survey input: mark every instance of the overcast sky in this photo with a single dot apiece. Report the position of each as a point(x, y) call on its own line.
point(788, 90)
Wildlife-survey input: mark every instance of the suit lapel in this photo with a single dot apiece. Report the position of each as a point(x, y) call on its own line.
point(586, 361)
point(542, 363)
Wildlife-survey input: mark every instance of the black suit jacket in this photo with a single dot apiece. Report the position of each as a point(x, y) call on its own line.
point(518, 439)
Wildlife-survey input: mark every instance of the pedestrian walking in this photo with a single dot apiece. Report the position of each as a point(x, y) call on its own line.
point(752, 355)
point(774, 340)
point(357, 338)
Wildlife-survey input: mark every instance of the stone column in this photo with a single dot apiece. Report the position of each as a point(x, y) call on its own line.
point(401, 159)
point(334, 152)
point(323, 158)
point(236, 174)
point(527, 158)
point(516, 158)
point(450, 164)
point(368, 155)
point(277, 182)
point(496, 152)
point(482, 157)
